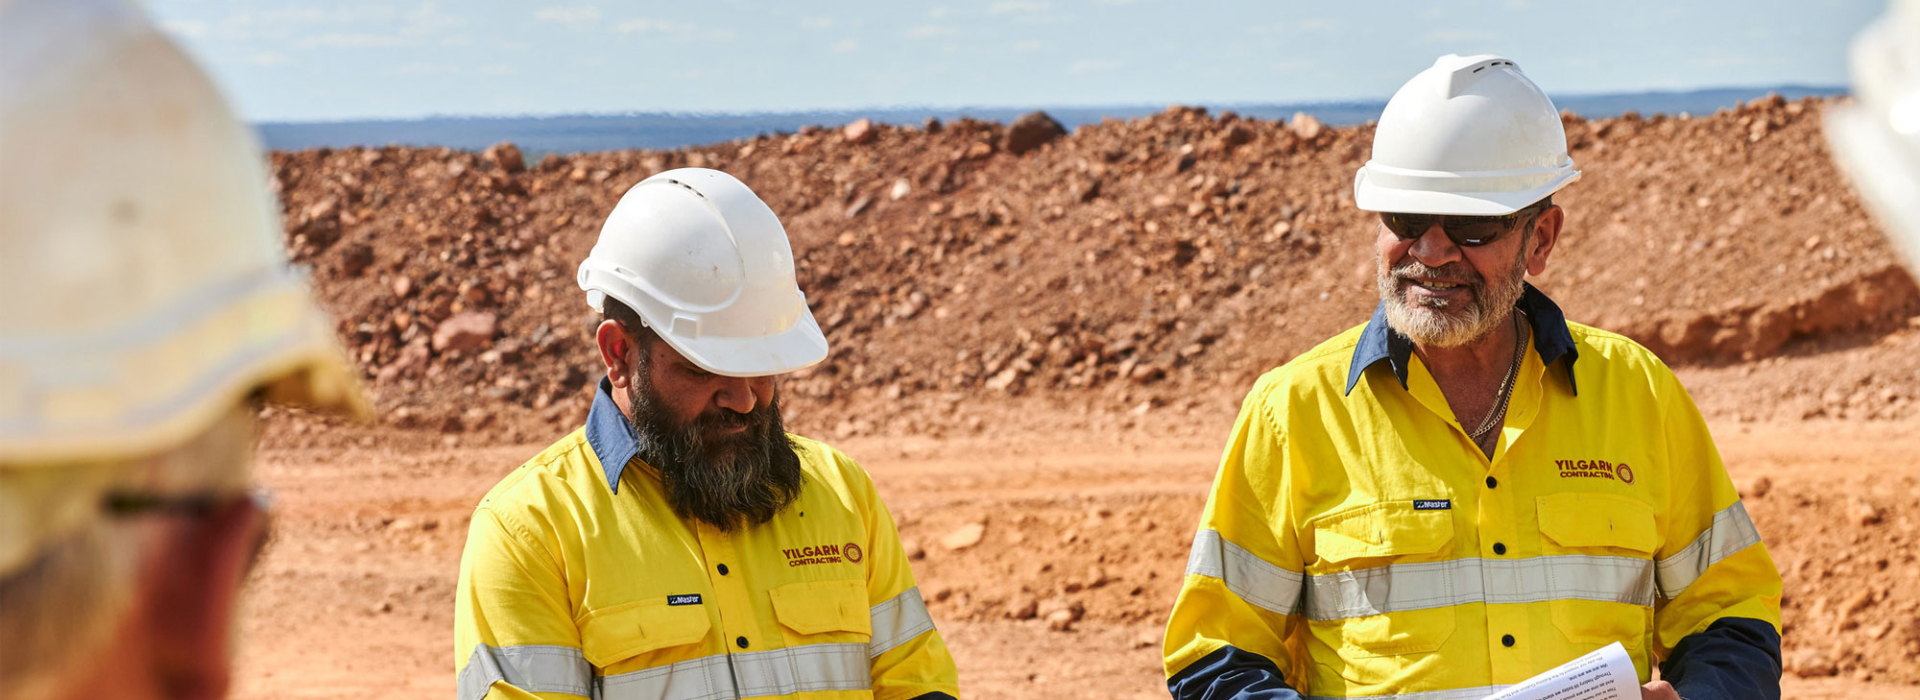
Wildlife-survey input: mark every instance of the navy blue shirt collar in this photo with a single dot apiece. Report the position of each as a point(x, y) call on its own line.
point(610, 435)
point(1379, 342)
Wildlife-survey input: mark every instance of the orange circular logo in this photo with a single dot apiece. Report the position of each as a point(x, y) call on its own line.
point(1625, 473)
point(853, 552)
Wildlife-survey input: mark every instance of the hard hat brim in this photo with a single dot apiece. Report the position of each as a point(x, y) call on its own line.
point(273, 343)
point(799, 347)
point(1372, 196)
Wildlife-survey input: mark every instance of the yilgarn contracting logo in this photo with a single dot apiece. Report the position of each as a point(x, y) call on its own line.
point(823, 554)
point(1594, 469)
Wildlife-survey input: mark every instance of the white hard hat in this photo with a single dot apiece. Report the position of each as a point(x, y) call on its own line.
point(707, 266)
point(1877, 139)
point(1470, 135)
point(143, 292)
point(143, 288)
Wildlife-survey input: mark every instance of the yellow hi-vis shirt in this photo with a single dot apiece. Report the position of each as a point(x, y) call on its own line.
point(578, 580)
point(1362, 544)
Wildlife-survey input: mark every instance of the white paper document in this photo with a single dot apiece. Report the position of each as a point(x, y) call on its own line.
point(1606, 674)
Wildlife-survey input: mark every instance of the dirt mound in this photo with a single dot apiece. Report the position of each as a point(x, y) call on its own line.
point(1128, 265)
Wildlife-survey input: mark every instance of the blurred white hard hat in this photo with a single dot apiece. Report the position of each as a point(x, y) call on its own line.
point(1470, 135)
point(145, 288)
point(1877, 138)
point(707, 266)
point(144, 294)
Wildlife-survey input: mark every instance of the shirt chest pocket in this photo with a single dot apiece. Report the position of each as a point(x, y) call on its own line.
point(1382, 586)
point(815, 612)
point(617, 633)
point(1599, 566)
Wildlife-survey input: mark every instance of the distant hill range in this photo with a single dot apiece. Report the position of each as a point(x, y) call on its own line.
point(597, 132)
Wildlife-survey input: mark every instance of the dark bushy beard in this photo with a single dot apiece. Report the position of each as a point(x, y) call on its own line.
point(1444, 324)
point(728, 481)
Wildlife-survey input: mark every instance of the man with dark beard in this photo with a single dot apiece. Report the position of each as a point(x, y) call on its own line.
point(1429, 506)
point(682, 545)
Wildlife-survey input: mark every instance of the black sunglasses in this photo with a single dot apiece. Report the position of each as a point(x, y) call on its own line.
point(1464, 231)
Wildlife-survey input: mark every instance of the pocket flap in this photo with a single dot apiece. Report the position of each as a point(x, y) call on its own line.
point(814, 607)
point(1597, 520)
point(1386, 529)
point(624, 631)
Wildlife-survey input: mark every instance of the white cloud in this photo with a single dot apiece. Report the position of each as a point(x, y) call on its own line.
point(928, 31)
point(185, 28)
point(1320, 25)
point(498, 69)
point(846, 46)
point(678, 31)
point(424, 68)
point(1293, 66)
point(1016, 6)
point(1089, 65)
point(269, 59)
point(346, 40)
point(817, 23)
point(1028, 46)
point(1119, 2)
point(568, 15)
point(1725, 60)
point(1458, 36)
point(937, 12)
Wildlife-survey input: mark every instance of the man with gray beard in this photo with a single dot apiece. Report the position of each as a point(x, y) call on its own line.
point(682, 545)
point(1430, 506)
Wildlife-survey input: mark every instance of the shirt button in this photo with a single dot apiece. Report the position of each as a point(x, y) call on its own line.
point(1506, 639)
point(1492, 482)
point(1499, 548)
point(722, 568)
point(742, 641)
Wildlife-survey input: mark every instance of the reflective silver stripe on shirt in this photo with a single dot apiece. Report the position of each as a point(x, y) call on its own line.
point(1455, 694)
point(1255, 580)
point(1731, 532)
point(1400, 587)
point(801, 669)
point(898, 620)
point(535, 668)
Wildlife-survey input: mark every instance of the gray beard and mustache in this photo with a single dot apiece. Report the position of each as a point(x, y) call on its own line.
point(727, 481)
point(1444, 323)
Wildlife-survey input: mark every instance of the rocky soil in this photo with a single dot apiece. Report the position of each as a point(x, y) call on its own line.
point(1131, 265)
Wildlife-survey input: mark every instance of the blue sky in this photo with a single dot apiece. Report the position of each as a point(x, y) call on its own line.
point(347, 59)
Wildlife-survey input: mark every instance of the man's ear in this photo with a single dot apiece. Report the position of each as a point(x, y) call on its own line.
point(191, 587)
point(614, 351)
point(1546, 233)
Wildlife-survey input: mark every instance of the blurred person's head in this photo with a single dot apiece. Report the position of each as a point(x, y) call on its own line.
point(1465, 162)
point(694, 278)
point(1876, 137)
point(149, 308)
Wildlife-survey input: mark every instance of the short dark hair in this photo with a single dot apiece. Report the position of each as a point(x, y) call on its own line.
point(636, 329)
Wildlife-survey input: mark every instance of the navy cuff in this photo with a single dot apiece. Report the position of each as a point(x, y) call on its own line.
point(1231, 674)
point(1735, 658)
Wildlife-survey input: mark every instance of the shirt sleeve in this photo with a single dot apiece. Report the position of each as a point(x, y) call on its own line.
point(1718, 621)
point(908, 657)
point(1240, 600)
point(513, 631)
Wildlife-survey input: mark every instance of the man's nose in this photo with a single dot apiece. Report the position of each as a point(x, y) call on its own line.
point(1434, 248)
point(737, 395)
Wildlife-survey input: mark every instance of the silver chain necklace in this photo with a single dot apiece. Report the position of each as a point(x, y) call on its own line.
point(1506, 385)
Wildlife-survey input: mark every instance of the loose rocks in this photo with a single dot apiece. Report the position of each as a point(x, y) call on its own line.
point(1032, 130)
